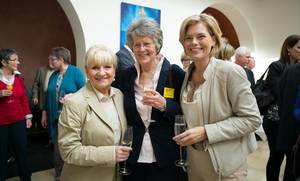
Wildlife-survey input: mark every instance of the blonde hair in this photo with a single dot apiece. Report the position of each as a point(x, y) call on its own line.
point(226, 51)
point(211, 25)
point(184, 56)
point(100, 55)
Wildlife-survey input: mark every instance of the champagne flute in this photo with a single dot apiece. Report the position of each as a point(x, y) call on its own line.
point(148, 88)
point(126, 141)
point(180, 127)
point(61, 95)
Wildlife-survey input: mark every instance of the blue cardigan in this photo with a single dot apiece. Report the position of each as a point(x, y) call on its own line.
point(73, 80)
point(297, 106)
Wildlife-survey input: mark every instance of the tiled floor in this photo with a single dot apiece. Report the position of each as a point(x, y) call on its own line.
point(256, 163)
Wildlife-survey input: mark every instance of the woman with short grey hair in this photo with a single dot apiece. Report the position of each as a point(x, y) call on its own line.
point(148, 107)
point(145, 27)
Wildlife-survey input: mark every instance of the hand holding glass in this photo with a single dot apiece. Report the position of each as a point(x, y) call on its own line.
point(62, 94)
point(126, 141)
point(180, 127)
point(148, 92)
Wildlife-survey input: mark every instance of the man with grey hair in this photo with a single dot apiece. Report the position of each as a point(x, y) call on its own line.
point(242, 58)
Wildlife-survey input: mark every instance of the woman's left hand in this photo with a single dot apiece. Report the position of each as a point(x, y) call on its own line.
point(191, 136)
point(63, 99)
point(155, 100)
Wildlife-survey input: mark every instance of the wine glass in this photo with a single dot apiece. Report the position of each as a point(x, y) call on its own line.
point(61, 94)
point(126, 141)
point(148, 88)
point(9, 88)
point(180, 127)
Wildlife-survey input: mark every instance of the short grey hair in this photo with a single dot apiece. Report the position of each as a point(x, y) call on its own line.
point(242, 51)
point(145, 27)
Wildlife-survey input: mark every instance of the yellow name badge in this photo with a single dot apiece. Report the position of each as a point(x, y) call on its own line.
point(168, 92)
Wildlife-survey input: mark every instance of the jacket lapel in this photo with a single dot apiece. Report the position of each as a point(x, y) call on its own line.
point(119, 106)
point(163, 77)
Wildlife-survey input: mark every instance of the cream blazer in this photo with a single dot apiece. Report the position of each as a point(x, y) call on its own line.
point(230, 115)
point(86, 137)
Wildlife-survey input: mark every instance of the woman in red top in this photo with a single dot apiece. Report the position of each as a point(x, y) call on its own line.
point(15, 114)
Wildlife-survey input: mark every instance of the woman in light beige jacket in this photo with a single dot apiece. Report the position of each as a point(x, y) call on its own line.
point(92, 123)
point(219, 107)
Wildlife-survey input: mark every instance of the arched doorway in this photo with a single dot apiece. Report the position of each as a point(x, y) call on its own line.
point(33, 28)
point(226, 26)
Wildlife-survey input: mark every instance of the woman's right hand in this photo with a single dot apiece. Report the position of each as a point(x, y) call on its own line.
point(44, 119)
point(5, 93)
point(122, 153)
point(191, 136)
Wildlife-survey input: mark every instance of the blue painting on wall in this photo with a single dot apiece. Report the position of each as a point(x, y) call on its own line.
point(130, 13)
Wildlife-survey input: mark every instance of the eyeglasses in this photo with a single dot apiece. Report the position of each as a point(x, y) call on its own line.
point(52, 58)
point(14, 60)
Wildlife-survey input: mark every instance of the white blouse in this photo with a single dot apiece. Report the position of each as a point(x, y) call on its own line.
point(108, 105)
point(146, 153)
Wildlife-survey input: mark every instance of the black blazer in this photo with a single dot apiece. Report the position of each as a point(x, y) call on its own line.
point(289, 127)
point(161, 132)
point(250, 77)
point(276, 69)
point(125, 60)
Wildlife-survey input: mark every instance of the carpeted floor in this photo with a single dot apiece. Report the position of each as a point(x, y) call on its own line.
point(39, 153)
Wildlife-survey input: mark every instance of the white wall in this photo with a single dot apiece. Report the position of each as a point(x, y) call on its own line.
point(261, 25)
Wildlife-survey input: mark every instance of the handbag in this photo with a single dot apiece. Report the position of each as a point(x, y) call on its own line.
point(262, 92)
point(272, 113)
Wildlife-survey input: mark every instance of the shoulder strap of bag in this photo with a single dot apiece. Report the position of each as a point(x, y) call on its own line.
point(264, 75)
point(170, 76)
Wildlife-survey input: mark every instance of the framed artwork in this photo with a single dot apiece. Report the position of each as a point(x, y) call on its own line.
point(130, 13)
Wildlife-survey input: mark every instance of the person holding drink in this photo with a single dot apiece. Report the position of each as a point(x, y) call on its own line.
point(93, 122)
point(65, 80)
point(220, 110)
point(151, 91)
point(15, 115)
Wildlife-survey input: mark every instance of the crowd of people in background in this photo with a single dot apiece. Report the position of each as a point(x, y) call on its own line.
point(87, 117)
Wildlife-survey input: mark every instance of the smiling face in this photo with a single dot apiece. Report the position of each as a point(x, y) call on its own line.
point(144, 50)
point(294, 52)
point(198, 42)
point(101, 76)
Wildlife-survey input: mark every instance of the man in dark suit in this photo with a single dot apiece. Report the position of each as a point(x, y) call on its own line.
point(125, 60)
point(289, 127)
point(39, 89)
point(242, 58)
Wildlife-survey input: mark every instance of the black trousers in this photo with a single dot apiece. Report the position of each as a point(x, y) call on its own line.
point(151, 172)
point(14, 135)
point(276, 157)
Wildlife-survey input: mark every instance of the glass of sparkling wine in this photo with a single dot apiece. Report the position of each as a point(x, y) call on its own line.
point(126, 141)
point(180, 127)
point(148, 92)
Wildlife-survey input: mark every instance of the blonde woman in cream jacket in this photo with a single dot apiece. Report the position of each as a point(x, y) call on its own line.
point(219, 107)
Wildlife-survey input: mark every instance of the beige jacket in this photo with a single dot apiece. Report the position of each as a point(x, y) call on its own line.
point(86, 137)
point(230, 115)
